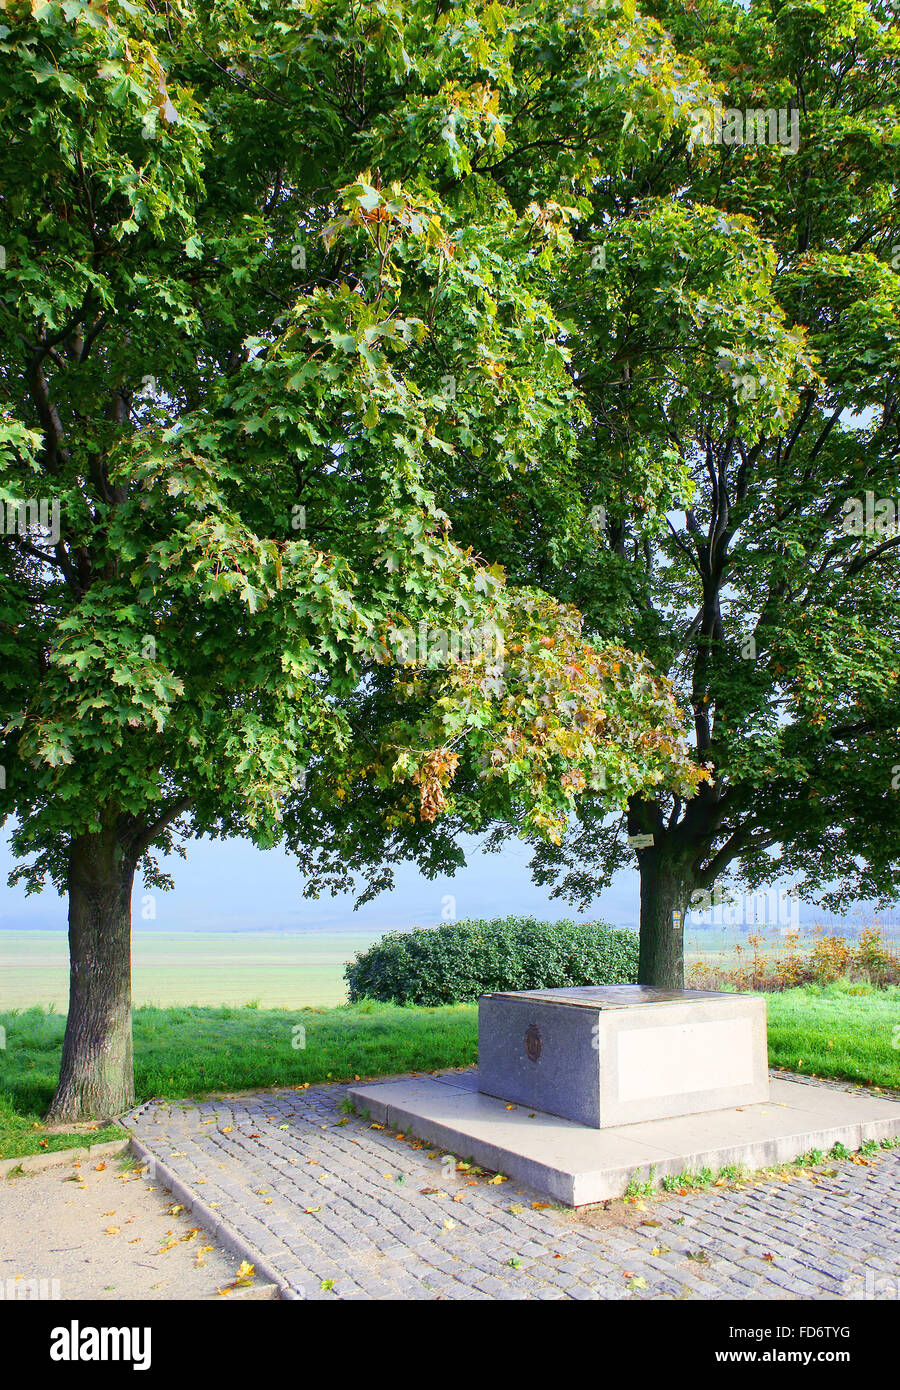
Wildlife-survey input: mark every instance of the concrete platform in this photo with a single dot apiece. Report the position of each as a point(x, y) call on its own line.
point(577, 1164)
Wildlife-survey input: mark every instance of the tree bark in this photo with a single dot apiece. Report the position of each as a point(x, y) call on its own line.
point(96, 1079)
point(665, 894)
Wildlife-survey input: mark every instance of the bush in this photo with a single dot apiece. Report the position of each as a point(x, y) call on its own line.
point(458, 962)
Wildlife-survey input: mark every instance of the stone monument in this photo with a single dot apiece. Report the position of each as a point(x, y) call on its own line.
point(580, 1092)
point(619, 1054)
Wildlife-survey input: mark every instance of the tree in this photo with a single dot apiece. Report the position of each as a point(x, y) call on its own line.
point(252, 285)
point(735, 320)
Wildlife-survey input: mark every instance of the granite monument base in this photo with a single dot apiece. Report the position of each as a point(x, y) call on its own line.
point(621, 1054)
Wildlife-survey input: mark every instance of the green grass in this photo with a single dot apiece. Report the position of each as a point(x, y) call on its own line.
point(194, 1051)
point(833, 1030)
point(842, 1030)
point(735, 1175)
point(22, 1134)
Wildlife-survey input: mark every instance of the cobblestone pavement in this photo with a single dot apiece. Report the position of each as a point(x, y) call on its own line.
point(341, 1207)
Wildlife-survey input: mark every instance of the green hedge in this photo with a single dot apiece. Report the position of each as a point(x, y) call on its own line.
point(458, 962)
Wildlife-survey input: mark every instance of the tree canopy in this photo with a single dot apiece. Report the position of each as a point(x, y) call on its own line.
point(260, 276)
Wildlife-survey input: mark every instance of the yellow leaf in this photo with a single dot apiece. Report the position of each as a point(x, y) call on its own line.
point(498, 1177)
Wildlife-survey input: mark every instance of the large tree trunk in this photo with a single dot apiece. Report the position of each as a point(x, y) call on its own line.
point(96, 1079)
point(665, 895)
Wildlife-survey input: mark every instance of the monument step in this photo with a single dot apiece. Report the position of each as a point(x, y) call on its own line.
point(578, 1164)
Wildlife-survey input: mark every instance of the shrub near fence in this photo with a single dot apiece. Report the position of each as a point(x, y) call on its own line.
point(462, 960)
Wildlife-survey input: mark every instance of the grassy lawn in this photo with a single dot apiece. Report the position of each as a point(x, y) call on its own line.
point(194, 1051)
point(832, 1030)
point(844, 1030)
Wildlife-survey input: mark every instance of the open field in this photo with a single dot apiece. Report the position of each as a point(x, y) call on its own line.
point(275, 969)
point(278, 970)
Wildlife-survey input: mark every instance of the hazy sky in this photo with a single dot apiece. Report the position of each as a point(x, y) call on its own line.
point(232, 886)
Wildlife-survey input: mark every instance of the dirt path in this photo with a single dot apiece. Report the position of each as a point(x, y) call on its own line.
point(102, 1230)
